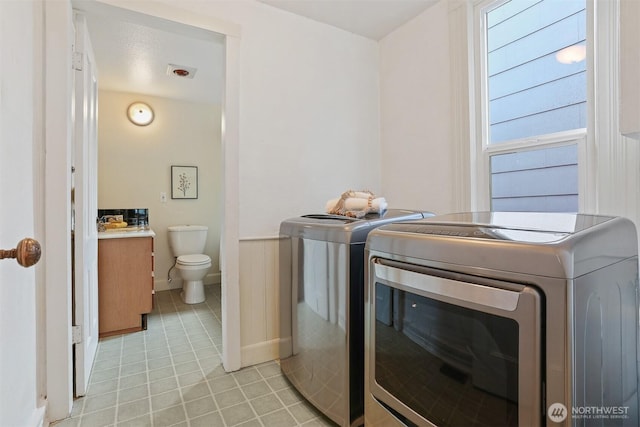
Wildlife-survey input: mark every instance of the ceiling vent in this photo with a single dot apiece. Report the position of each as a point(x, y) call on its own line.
point(181, 71)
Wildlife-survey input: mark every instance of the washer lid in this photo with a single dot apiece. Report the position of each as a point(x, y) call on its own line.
point(195, 259)
point(342, 229)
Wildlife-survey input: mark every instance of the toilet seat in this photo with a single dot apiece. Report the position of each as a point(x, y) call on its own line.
point(193, 260)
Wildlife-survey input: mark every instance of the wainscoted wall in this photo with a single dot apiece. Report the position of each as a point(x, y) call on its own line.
point(259, 300)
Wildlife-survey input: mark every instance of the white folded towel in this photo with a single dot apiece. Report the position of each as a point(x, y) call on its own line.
point(356, 204)
point(377, 205)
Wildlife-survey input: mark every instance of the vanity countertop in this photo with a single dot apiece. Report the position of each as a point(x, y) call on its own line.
point(120, 233)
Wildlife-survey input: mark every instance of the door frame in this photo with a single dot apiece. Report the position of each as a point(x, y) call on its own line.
point(58, 133)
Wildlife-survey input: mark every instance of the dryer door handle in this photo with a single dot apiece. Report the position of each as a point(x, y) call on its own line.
point(419, 283)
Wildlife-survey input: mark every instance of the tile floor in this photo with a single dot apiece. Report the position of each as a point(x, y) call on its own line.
point(171, 375)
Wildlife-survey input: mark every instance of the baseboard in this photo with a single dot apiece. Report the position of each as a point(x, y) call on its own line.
point(213, 278)
point(286, 347)
point(164, 285)
point(259, 353)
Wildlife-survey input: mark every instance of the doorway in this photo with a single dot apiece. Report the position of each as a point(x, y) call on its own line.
point(58, 390)
point(177, 70)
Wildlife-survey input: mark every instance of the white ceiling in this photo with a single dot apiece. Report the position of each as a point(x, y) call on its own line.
point(133, 50)
point(373, 19)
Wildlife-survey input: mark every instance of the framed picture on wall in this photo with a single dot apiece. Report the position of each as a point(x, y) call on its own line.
point(184, 182)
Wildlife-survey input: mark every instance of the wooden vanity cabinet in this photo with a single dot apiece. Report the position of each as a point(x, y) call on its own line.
point(125, 284)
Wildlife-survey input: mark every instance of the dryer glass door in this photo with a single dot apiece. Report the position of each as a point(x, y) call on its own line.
point(453, 352)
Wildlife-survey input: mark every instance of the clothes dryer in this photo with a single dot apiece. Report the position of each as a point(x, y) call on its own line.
point(503, 318)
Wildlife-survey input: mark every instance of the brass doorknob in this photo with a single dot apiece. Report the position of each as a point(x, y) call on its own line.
point(27, 253)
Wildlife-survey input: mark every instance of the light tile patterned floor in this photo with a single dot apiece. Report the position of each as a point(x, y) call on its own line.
point(171, 375)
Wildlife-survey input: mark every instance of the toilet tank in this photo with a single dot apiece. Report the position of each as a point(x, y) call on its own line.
point(187, 239)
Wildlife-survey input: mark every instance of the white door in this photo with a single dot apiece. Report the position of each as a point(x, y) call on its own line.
point(20, 208)
point(85, 201)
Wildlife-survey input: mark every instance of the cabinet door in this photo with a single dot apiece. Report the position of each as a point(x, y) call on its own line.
point(125, 283)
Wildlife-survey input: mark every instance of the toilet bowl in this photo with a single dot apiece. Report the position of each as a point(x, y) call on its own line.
point(187, 242)
point(192, 269)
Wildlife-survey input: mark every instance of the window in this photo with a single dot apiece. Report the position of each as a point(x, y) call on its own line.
point(532, 77)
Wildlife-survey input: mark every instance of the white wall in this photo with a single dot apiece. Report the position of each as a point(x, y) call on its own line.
point(135, 167)
point(417, 154)
point(309, 125)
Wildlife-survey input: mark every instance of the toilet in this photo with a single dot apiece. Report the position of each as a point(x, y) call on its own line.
point(187, 244)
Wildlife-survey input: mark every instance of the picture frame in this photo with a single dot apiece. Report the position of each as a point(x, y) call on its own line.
point(184, 182)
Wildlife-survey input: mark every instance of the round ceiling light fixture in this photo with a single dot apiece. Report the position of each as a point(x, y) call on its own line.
point(140, 113)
